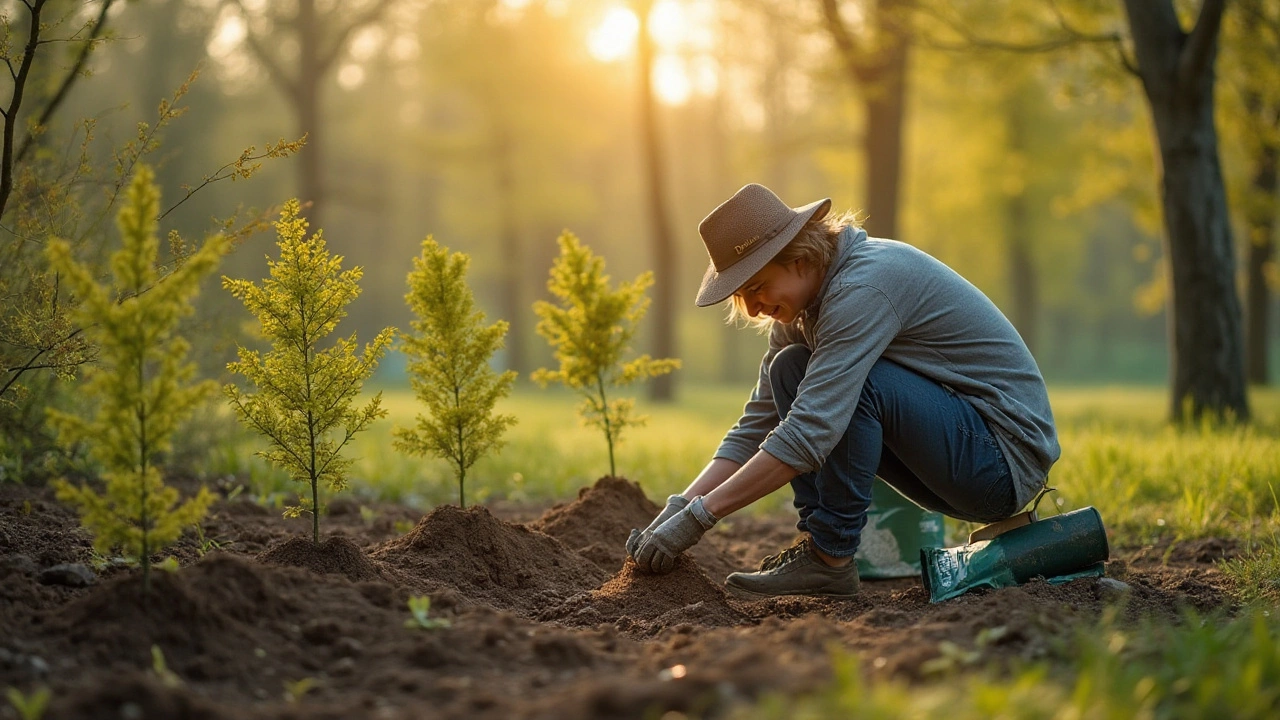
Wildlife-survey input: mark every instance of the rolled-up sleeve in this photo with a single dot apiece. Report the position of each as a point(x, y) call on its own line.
point(854, 326)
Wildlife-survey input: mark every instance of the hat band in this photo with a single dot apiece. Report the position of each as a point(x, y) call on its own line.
point(747, 246)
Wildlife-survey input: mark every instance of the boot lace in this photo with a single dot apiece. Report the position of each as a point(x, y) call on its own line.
point(785, 556)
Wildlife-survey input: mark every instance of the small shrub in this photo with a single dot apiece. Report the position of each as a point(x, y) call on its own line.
point(140, 388)
point(304, 397)
point(449, 352)
point(590, 330)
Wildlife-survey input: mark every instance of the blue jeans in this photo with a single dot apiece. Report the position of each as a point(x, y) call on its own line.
point(921, 438)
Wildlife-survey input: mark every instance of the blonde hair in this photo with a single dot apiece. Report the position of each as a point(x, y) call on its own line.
point(815, 244)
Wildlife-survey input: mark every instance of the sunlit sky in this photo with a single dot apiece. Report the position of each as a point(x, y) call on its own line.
point(682, 30)
point(683, 34)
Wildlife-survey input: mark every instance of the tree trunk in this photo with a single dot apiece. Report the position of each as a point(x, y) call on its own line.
point(662, 388)
point(1024, 286)
point(512, 254)
point(880, 72)
point(310, 78)
point(1261, 256)
point(1177, 71)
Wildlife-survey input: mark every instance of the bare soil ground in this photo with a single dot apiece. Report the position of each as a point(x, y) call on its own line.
point(547, 619)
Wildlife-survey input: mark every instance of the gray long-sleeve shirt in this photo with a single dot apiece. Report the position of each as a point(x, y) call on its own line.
point(886, 298)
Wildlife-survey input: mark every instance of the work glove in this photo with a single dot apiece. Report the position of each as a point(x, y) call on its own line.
point(659, 548)
point(675, 503)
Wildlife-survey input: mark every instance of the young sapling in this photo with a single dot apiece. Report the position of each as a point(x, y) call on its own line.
point(141, 388)
point(449, 352)
point(590, 329)
point(303, 403)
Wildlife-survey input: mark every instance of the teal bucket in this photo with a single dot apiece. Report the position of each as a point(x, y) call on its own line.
point(896, 531)
point(1058, 548)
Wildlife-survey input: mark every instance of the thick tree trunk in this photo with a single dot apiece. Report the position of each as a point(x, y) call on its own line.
point(310, 77)
point(880, 73)
point(665, 270)
point(1024, 284)
point(885, 101)
point(1261, 256)
point(1177, 71)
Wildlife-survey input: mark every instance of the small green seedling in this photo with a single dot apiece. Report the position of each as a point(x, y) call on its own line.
point(205, 544)
point(296, 690)
point(420, 611)
point(29, 707)
point(590, 329)
point(161, 669)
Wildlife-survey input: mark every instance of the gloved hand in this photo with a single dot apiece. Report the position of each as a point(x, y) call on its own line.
point(658, 549)
point(675, 503)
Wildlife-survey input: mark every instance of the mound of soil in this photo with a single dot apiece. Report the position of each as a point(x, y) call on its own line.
point(597, 523)
point(487, 561)
point(335, 555)
point(643, 603)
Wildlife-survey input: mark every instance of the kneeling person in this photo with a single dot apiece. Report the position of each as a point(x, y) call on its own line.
point(882, 361)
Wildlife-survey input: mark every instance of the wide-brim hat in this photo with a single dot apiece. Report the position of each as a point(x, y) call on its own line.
point(744, 233)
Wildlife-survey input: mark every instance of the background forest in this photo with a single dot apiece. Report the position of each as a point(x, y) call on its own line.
point(1014, 143)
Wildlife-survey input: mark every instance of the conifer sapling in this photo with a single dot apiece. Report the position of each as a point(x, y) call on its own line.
point(590, 329)
point(303, 403)
point(449, 353)
point(141, 388)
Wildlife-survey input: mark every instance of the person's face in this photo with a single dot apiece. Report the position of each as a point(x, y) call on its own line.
point(779, 291)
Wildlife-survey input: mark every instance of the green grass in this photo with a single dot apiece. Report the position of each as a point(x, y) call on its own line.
point(1147, 479)
point(1198, 668)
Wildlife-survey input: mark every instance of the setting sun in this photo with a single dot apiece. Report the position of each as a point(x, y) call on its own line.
point(615, 37)
point(680, 31)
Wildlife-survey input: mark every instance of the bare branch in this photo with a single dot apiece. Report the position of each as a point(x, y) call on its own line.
point(15, 102)
point(1202, 42)
point(850, 52)
point(371, 15)
point(264, 56)
point(73, 74)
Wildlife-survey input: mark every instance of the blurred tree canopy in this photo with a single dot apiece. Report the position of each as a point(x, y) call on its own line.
point(1027, 156)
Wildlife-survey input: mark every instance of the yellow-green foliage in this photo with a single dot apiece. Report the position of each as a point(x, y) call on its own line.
point(141, 387)
point(303, 403)
point(590, 330)
point(449, 353)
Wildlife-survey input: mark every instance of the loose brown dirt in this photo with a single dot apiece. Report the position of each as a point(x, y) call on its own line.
point(547, 618)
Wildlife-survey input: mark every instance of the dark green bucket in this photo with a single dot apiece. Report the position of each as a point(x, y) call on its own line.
point(896, 531)
point(1058, 548)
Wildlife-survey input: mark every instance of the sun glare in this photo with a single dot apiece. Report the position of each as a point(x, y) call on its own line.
point(671, 80)
point(615, 36)
point(682, 35)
